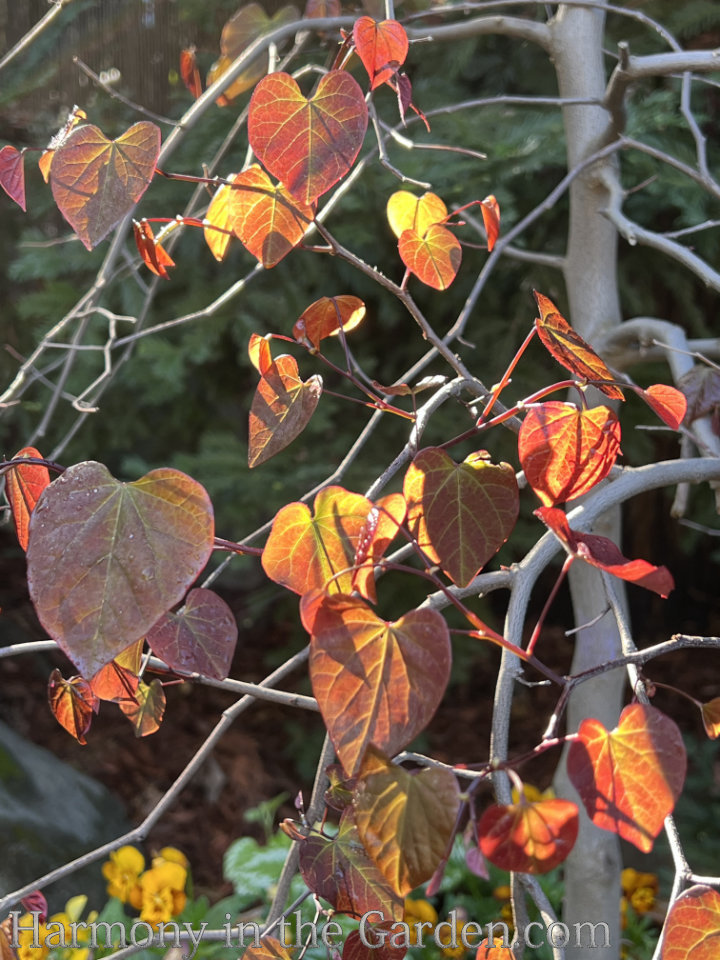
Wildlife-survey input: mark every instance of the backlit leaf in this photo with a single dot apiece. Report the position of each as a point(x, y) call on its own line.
point(491, 220)
point(340, 871)
point(305, 550)
point(200, 638)
point(118, 680)
point(147, 710)
point(73, 704)
point(96, 181)
point(667, 402)
point(281, 408)
point(259, 353)
point(190, 73)
point(603, 553)
point(375, 682)
point(565, 451)
point(692, 928)
point(326, 317)
point(219, 231)
point(382, 47)
point(12, 174)
point(106, 559)
point(75, 117)
point(23, 486)
point(242, 29)
point(405, 211)
point(307, 144)
point(381, 528)
point(460, 513)
point(405, 819)
point(629, 778)
point(269, 949)
point(434, 258)
point(267, 220)
point(154, 255)
point(527, 836)
point(569, 348)
point(711, 718)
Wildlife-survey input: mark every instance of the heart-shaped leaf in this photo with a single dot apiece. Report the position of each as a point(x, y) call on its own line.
point(326, 317)
point(434, 258)
point(118, 680)
point(200, 638)
point(527, 836)
point(96, 181)
point(629, 778)
point(405, 819)
point(106, 559)
point(12, 174)
point(405, 211)
point(146, 712)
point(570, 349)
point(460, 513)
point(375, 682)
point(340, 871)
point(307, 144)
point(382, 47)
point(565, 451)
point(692, 927)
point(304, 551)
point(281, 409)
point(603, 553)
point(23, 486)
point(266, 219)
point(72, 703)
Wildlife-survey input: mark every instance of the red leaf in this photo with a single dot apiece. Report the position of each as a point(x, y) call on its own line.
point(629, 778)
point(602, 552)
point(382, 47)
point(23, 486)
point(570, 349)
point(12, 174)
point(326, 317)
point(201, 638)
point(190, 73)
point(565, 451)
point(379, 530)
point(529, 837)
point(35, 902)
point(434, 258)
point(667, 402)
point(73, 704)
point(491, 219)
point(307, 144)
point(154, 255)
point(692, 927)
point(377, 934)
point(96, 181)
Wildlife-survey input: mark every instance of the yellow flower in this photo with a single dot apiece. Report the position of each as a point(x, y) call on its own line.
point(162, 895)
point(122, 871)
point(502, 893)
point(26, 937)
point(642, 899)
point(419, 911)
point(171, 855)
point(532, 793)
point(452, 953)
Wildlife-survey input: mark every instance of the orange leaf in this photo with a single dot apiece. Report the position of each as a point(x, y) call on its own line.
point(405, 211)
point(281, 409)
point(529, 837)
point(304, 551)
point(382, 47)
point(12, 174)
point(629, 778)
point(602, 552)
point(565, 451)
point(96, 181)
point(190, 73)
point(146, 711)
point(711, 718)
point(218, 233)
point(692, 927)
point(307, 144)
point(326, 317)
point(268, 221)
point(570, 349)
point(375, 682)
point(379, 530)
point(376, 934)
point(491, 219)
point(118, 680)
point(269, 948)
point(667, 402)
point(434, 258)
point(154, 255)
point(460, 513)
point(23, 486)
point(259, 353)
point(75, 116)
point(72, 703)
